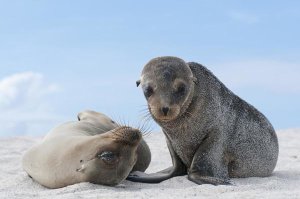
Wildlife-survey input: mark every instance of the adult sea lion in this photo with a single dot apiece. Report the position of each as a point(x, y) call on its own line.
point(211, 133)
point(93, 149)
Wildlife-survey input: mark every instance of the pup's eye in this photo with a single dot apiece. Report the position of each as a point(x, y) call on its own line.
point(108, 157)
point(180, 89)
point(148, 91)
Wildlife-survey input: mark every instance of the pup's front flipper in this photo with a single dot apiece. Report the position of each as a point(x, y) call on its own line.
point(138, 176)
point(197, 178)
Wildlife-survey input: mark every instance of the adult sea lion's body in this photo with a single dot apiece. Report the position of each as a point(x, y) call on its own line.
point(211, 133)
point(94, 149)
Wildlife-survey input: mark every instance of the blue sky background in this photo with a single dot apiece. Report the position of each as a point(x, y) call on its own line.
point(60, 57)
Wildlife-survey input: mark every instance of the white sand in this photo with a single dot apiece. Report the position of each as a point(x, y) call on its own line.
point(285, 182)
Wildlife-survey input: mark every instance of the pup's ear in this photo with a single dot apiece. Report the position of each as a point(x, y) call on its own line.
point(138, 83)
point(194, 79)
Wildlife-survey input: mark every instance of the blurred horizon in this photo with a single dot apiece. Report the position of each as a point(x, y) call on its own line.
point(58, 58)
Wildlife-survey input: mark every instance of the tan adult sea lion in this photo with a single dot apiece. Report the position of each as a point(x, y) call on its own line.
point(211, 133)
point(93, 149)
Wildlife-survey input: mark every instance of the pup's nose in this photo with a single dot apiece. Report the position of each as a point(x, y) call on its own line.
point(165, 110)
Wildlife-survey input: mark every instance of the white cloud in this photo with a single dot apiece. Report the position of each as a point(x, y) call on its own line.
point(25, 103)
point(275, 76)
point(23, 89)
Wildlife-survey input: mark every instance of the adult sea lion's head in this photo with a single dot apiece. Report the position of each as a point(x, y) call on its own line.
point(111, 155)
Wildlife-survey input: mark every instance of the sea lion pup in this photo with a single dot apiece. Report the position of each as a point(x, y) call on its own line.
point(211, 133)
point(93, 149)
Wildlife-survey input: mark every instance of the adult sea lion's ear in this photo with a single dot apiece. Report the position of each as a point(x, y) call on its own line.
point(138, 83)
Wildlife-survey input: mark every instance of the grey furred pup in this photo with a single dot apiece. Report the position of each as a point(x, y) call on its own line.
point(212, 134)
